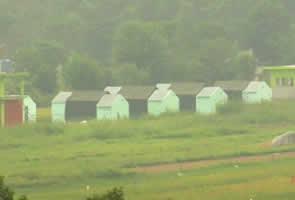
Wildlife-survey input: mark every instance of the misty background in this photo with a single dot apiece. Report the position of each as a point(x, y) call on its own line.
point(86, 44)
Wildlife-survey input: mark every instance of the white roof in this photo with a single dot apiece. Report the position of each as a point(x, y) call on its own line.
point(107, 100)
point(62, 97)
point(112, 90)
point(159, 94)
point(207, 91)
point(254, 86)
point(165, 86)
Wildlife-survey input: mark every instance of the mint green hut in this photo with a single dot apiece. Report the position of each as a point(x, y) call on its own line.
point(29, 110)
point(162, 100)
point(58, 106)
point(112, 105)
point(257, 92)
point(209, 98)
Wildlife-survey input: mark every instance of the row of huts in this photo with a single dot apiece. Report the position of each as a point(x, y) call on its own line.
point(132, 101)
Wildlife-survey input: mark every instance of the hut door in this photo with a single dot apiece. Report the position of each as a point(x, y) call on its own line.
point(26, 113)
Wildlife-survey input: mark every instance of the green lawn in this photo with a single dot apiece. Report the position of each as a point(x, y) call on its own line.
point(56, 161)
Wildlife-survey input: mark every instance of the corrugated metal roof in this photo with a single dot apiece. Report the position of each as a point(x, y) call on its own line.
point(254, 86)
point(107, 100)
point(90, 96)
point(137, 92)
point(159, 94)
point(113, 90)
point(61, 97)
point(232, 85)
point(187, 88)
point(207, 91)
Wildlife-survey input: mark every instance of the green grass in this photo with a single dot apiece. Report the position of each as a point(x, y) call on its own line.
point(44, 115)
point(57, 161)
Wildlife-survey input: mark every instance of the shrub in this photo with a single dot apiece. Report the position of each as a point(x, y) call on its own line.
point(6, 193)
point(114, 194)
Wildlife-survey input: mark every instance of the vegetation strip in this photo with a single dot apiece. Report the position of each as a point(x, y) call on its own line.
point(206, 163)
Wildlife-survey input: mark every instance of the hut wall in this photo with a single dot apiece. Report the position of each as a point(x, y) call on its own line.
point(58, 112)
point(261, 95)
point(104, 113)
point(220, 97)
point(29, 110)
point(169, 104)
point(120, 108)
point(13, 112)
point(205, 105)
point(155, 107)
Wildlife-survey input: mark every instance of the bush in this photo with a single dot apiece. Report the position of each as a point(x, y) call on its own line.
point(6, 193)
point(231, 108)
point(114, 194)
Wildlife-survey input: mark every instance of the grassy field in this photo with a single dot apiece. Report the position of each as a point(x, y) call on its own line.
point(56, 161)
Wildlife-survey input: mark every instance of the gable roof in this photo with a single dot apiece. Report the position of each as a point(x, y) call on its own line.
point(207, 91)
point(159, 94)
point(137, 92)
point(61, 97)
point(187, 88)
point(232, 85)
point(91, 96)
point(112, 90)
point(165, 86)
point(107, 100)
point(254, 85)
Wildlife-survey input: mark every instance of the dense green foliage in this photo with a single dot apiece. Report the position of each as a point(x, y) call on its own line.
point(6, 193)
point(114, 194)
point(146, 41)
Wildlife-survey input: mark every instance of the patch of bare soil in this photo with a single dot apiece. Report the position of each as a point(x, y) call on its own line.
point(206, 163)
point(266, 144)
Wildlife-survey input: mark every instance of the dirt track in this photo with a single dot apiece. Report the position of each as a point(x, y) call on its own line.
point(206, 163)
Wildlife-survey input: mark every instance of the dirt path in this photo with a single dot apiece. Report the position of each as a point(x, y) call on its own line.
point(206, 163)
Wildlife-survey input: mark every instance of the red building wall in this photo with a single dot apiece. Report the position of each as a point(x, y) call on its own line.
point(13, 112)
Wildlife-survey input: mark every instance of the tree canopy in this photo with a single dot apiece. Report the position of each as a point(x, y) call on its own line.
point(157, 40)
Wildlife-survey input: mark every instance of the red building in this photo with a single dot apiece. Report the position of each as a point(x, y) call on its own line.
point(13, 111)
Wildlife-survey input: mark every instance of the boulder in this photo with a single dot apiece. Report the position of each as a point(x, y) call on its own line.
point(285, 139)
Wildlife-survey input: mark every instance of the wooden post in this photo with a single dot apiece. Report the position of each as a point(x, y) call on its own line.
point(2, 102)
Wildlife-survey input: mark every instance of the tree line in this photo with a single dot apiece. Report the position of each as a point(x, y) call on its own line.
point(74, 44)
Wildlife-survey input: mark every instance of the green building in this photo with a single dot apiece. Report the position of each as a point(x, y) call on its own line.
point(209, 98)
point(163, 99)
point(112, 105)
point(257, 92)
point(58, 106)
point(29, 109)
point(280, 76)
